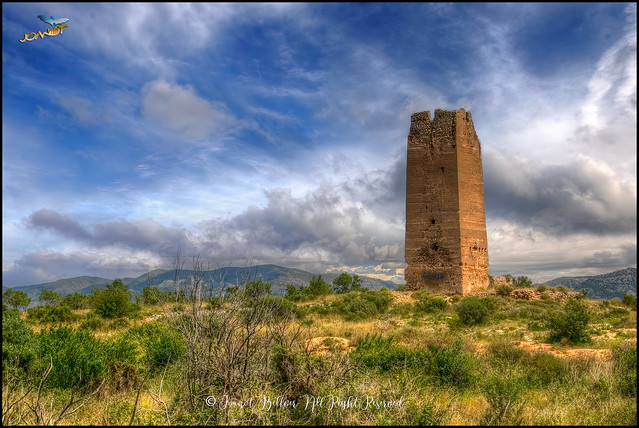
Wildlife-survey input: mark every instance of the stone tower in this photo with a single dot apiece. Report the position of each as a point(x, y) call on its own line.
point(446, 246)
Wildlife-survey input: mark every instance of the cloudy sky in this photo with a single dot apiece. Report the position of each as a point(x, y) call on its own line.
point(276, 133)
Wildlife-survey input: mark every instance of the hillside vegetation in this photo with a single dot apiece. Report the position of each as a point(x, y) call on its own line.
point(330, 353)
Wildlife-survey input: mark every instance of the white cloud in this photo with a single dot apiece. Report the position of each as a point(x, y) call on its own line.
point(49, 265)
point(81, 109)
point(180, 109)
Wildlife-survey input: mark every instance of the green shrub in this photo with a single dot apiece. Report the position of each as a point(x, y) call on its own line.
point(522, 282)
point(292, 293)
point(120, 350)
point(506, 353)
point(317, 287)
point(630, 300)
point(345, 283)
point(92, 322)
point(542, 288)
point(358, 306)
point(153, 296)
point(504, 290)
point(425, 414)
point(256, 289)
point(19, 343)
point(278, 308)
point(536, 325)
point(76, 301)
point(77, 357)
point(117, 323)
point(403, 310)
point(159, 342)
point(383, 354)
point(571, 324)
point(50, 314)
point(544, 369)
point(429, 302)
point(503, 396)
point(625, 368)
point(48, 297)
point(16, 299)
point(616, 315)
point(473, 310)
point(114, 301)
point(451, 365)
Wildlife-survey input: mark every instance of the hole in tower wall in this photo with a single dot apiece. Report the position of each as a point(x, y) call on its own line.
point(435, 247)
point(432, 221)
point(442, 168)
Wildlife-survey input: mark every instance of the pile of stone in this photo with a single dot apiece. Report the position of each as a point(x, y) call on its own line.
point(532, 294)
point(525, 293)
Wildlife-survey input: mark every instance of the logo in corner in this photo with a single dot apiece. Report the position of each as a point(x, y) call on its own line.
point(57, 23)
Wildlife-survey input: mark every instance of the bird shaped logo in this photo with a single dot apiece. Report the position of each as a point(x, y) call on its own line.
point(58, 25)
point(52, 21)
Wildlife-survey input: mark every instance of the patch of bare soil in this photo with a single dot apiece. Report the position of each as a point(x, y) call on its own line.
point(598, 354)
point(325, 346)
point(481, 347)
point(403, 297)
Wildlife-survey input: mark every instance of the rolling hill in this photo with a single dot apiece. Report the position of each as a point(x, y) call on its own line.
point(278, 276)
point(605, 286)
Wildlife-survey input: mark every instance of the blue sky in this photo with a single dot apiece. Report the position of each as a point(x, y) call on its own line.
point(276, 133)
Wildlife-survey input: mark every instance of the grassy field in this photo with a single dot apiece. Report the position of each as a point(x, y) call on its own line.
point(362, 358)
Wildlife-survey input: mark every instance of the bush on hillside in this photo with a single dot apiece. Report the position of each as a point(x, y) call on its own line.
point(114, 301)
point(429, 302)
point(473, 310)
point(625, 368)
point(161, 344)
point(571, 324)
point(76, 301)
point(450, 365)
point(16, 299)
point(630, 300)
point(19, 343)
point(50, 314)
point(358, 306)
point(78, 358)
point(504, 290)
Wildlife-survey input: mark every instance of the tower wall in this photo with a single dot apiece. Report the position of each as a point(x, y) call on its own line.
point(446, 244)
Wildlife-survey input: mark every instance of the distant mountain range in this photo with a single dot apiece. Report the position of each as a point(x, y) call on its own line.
point(278, 276)
point(606, 286)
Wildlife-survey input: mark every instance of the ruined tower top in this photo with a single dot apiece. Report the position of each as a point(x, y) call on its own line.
point(446, 243)
point(422, 121)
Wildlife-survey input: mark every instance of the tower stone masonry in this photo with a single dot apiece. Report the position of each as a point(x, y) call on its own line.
point(446, 247)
